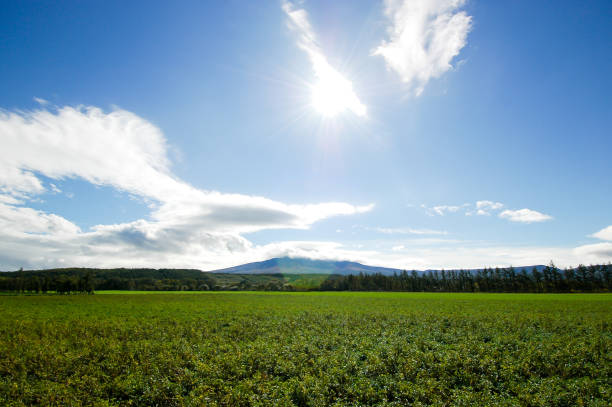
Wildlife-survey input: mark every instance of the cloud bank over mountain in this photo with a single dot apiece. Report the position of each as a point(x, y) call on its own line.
point(187, 226)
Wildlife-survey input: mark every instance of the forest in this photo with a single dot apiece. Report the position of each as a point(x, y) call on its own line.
point(548, 279)
point(88, 280)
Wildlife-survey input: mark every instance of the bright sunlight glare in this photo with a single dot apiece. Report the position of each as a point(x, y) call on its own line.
point(333, 93)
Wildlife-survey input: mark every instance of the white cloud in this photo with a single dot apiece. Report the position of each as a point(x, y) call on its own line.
point(459, 256)
point(8, 199)
point(594, 253)
point(489, 205)
point(187, 226)
point(131, 246)
point(447, 255)
point(55, 189)
point(333, 93)
point(410, 231)
point(118, 149)
point(17, 221)
point(524, 216)
point(484, 208)
point(424, 37)
point(40, 101)
point(442, 210)
point(604, 234)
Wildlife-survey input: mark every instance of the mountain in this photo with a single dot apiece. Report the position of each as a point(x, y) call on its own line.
point(287, 265)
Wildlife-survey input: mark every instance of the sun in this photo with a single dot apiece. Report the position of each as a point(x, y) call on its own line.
point(333, 94)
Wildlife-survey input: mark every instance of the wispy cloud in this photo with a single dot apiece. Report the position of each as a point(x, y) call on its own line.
point(187, 226)
point(524, 216)
point(55, 189)
point(441, 210)
point(409, 231)
point(333, 91)
point(40, 101)
point(424, 37)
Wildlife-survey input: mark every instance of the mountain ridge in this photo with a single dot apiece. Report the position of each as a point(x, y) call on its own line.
point(297, 265)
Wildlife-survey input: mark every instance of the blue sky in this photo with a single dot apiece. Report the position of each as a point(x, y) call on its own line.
point(411, 134)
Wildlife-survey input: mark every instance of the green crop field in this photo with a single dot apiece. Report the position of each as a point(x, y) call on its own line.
point(306, 349)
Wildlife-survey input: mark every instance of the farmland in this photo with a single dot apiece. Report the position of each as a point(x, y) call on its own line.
point(306, 349)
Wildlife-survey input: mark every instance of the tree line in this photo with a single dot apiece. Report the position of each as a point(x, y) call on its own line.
point(549, 279)
point(61, 284)
point(88, 280)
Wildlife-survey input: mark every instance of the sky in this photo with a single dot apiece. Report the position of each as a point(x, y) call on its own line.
point(405, 133)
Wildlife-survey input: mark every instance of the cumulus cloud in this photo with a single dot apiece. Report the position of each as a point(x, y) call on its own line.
point(524, 216)
point(187, 226)
point(424, 37)
point(604, 234)
point(333, 92)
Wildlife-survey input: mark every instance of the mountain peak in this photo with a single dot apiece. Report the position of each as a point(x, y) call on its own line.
point(297, 265)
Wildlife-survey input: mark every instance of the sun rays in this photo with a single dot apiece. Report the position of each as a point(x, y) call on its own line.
point(332, 93)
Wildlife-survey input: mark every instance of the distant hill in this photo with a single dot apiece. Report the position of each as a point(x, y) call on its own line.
point(287, 265)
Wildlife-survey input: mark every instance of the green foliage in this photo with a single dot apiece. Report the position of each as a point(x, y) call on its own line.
point(306, 349)
point(74, 280)
point(595, 278)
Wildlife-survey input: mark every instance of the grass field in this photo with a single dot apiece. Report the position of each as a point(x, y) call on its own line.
point(306, 349)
